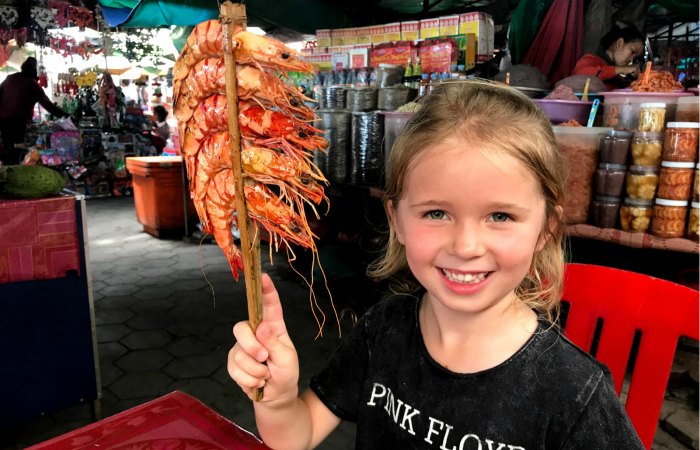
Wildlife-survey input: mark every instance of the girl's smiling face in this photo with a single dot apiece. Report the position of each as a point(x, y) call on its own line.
point(470, 225)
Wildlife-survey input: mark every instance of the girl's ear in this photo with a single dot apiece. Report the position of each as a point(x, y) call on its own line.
point(552, 224)
point(393, 222)
point(619, 43)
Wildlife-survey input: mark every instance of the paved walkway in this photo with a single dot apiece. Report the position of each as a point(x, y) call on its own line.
point(162, 325)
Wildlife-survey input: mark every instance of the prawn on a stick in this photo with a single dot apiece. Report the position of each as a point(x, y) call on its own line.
point(248, 145)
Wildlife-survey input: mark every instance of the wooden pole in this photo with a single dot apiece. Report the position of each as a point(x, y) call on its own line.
point(233, 19)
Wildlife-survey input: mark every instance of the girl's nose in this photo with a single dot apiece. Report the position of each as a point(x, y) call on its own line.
point(468, 241)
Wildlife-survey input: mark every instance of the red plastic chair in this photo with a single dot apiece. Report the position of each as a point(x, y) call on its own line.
point(628, 302)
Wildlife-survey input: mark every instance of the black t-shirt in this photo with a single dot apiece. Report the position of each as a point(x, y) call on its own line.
point(548, 395)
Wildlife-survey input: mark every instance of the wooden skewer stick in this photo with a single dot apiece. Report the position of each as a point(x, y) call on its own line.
point(233, 19)
point(647, 71)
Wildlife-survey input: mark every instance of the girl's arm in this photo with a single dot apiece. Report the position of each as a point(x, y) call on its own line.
point(267, 358)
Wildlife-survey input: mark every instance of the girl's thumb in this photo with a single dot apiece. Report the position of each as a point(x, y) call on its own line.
point(268, 339)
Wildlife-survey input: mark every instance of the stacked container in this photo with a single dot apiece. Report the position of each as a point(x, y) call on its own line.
point(660, 169)
point(609, 177)
point(679, 156)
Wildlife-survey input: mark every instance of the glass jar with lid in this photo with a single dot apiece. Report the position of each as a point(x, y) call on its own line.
point(642, 182)
point(681, 142)
point(669, 218)
point(675, 180)
point(646, 148)
point(693, 219)
point(615, 146)
point(604, 211)
point(652, 117)
point(609, 179)
point(635, 215)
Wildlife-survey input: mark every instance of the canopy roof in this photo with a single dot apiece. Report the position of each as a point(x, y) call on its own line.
point(306, 16)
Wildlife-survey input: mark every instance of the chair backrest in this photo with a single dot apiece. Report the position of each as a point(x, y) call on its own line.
point(628, 303)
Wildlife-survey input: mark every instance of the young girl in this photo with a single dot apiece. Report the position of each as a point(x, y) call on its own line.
point(468, 357)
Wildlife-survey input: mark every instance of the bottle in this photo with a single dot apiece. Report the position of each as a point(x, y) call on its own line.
point(417, 73)
point(408, 74)
point(423, 87)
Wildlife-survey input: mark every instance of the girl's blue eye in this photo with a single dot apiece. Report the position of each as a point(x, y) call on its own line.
point(500, 217)
point(436, 214)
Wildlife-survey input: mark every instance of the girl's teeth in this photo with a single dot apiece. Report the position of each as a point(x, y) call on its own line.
point(465, 277)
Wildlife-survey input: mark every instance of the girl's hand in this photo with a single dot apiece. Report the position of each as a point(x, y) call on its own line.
point(266, 358)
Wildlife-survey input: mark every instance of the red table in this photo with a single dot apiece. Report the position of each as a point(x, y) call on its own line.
point(38, 239)
point(174, 421)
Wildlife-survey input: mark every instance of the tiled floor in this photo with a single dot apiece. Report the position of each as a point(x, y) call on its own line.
point(164, 312)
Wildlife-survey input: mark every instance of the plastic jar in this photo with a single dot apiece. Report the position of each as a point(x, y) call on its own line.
point(646, 148)
point(652, 117)
point(609, 179)
point(604, 211)
point(693, 219)
point(642, 182)
point(669, 218)
point(688, 109)
point(681, 142)
point(635, 215)
point(675, 180)
point(615, 145)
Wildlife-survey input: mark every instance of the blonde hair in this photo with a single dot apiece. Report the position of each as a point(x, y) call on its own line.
point(499, 117)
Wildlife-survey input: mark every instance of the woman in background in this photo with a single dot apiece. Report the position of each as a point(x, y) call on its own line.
point(613, 61)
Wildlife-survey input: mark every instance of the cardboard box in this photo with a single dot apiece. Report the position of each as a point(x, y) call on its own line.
point(359, 58)
point(410, 30)
point(449, 25)
point(376, 34)
point(350, 37)
point(392, 32)
point(363, 36)
point(481, 25)
point(340, 61)
point(429, 28)
point(323, 38)
point(337, 37)
point(320, 62)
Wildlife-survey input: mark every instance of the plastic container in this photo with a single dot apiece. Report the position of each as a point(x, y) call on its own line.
point(609, 179)
point(621, 108)
point(652, 117)
point(393, 124)
point(604, 211)
point(642, 182)
point(675, 180)
point(560, 111)
point(615, 146)
point(669, 218)
point(688, 109)
point(681, 142)
point(158, 193)
point(646, 148)
point(579, 145)
point(693, 219)
point(635, 215)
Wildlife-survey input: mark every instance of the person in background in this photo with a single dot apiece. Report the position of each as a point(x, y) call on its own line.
point(613, 63)
point(160, 131)
point(18, 95)
point(468, 355)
